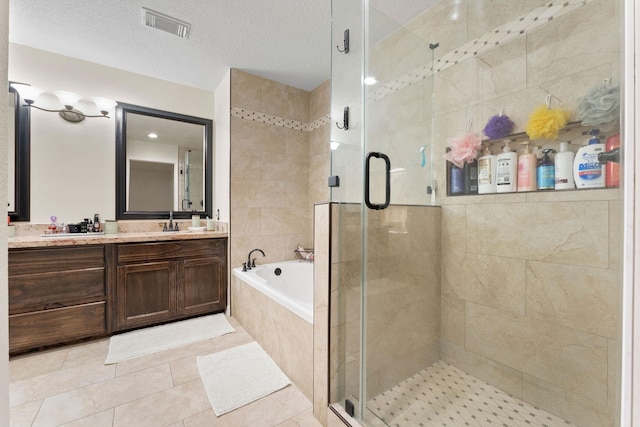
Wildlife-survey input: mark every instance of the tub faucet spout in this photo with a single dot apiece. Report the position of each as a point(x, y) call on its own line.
point(251, 264)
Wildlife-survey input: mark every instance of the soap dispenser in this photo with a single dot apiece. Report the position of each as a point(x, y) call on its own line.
point(527, 164)
point(487, 172)
point(507, 170)
point(587, 171)
point(546, 171)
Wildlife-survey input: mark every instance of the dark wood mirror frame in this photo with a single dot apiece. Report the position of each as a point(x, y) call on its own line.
point(22, 198)
point(121, 162)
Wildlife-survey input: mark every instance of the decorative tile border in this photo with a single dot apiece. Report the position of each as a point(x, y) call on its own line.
point(518, 27)
point(254, 116)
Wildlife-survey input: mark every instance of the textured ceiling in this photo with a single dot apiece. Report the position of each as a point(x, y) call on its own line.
point(283, 40)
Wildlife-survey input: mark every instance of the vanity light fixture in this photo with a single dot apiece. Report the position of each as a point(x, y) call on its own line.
point(69, 99)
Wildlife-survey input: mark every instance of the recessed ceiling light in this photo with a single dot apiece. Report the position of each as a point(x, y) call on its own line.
point(370, 80)
point(153, 135)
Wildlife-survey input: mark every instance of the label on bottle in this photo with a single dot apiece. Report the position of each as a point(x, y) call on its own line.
point(524, 173)
point(484, 171)
point(546, 177)
point(503, 172)
point(457, 180)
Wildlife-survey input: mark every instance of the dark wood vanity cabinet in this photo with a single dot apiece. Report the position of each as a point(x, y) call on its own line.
point(162, 281)
point(56, 295)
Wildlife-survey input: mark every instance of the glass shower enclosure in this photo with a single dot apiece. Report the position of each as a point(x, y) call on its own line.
point(448, 306)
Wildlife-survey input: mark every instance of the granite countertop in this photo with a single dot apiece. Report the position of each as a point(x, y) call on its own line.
point(98, 239)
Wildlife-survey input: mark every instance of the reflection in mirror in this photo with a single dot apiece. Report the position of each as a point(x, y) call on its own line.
point(164, 163)
point(19, 121)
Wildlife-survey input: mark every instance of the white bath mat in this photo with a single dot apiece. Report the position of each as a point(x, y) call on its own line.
point(238, 376)
point(164, 337)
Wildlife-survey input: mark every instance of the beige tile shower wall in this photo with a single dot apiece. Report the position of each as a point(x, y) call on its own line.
point(530, 298)
point(403, 296)
point(275, 170)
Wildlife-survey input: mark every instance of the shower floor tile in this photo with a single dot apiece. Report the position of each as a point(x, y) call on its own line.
point(442, 395)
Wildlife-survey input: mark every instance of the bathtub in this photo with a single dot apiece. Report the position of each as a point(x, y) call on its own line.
point(277, 311)
point(292, 287)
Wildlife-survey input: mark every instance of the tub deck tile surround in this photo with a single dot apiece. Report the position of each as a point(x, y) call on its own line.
point(158, 389)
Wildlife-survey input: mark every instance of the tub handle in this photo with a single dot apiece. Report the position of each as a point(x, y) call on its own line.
point(367, 174)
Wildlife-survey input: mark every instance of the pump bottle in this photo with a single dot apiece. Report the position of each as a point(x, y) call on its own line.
point(487, 172)
point(507, 170)
point(546, 171)
point(527, 164)
point(587, 171)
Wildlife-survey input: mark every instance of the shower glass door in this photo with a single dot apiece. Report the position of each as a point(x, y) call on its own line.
point(451, 307)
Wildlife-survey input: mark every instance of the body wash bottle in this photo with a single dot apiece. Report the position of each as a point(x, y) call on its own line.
point(564, 168)
point(546, 172)
point(487, 172)
point(527, 164)
point(507, 170)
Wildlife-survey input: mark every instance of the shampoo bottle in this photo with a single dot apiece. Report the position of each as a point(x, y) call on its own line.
point(612, 177)
point(456, 180)
point(546, 172)
point(507, 170)
point(471, 177)
point(487, 172)
point(564, 168)
point(527, 164)
point(587, 171)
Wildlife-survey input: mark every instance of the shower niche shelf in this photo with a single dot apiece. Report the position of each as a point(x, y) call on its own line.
point(575, 133)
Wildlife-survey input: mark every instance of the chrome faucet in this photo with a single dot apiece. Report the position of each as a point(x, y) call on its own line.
point(252, 263)
point(171, 226)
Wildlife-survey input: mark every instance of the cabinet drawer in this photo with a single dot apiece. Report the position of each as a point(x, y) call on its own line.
point(42, 290)
point(136, 252)
point(32, 261)
point(35, 329)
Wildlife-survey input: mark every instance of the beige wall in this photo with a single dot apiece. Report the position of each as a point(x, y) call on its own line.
point(73, 165)
point(4, 293)
point(277, 160)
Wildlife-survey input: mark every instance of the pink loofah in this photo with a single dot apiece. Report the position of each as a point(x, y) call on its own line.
point(464, 149)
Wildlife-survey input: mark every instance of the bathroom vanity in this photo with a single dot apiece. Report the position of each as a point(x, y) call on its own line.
point(66, 289)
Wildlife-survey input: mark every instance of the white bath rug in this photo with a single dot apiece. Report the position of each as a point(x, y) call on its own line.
point(238, 376)
point(164, 337)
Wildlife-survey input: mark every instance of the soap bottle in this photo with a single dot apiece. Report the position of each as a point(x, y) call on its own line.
point(471, 177)
point(487, 172)
point(527, 164)
point(546, 171)
point(587, 171)
point(612, 178)
point(563, 168)
point(456, 180)
point(507, 170)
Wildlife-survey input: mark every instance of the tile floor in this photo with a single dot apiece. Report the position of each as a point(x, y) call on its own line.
point(442, 395)
point(72, 387)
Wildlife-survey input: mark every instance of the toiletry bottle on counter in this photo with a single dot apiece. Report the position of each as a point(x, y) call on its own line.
point(564, 168)
point(546, 172)
point(507, 170)
point(527, 164)
point(487, 172)
point(587, 171)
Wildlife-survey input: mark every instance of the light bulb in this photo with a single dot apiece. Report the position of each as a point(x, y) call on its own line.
point(68, 99)
point(104, 104)
point(28, 93)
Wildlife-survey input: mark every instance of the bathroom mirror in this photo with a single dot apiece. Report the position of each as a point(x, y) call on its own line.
point(164, 162)
point(18, 162)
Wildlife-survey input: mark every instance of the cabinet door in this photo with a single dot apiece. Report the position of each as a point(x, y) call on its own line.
point(202, 285)
point(146, 294)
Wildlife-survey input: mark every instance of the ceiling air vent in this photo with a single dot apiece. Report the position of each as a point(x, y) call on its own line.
point(166, 23)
